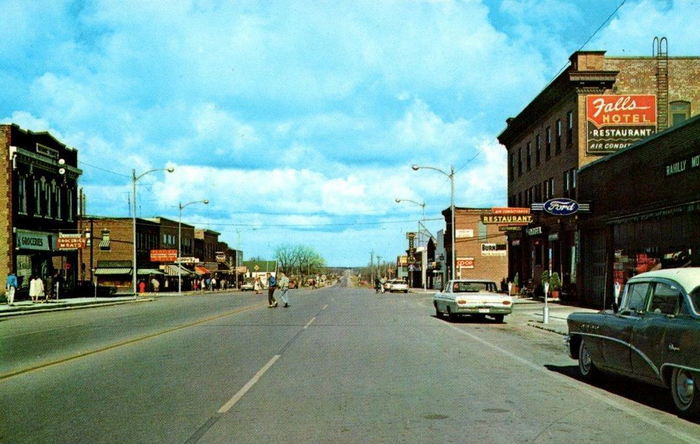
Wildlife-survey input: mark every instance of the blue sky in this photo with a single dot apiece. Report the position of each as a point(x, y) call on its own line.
point(299, 120)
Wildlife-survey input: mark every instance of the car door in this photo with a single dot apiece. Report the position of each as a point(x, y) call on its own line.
point(656, 337)
point(617, 330)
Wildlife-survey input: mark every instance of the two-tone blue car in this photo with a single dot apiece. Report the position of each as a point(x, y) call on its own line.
point(653, 336)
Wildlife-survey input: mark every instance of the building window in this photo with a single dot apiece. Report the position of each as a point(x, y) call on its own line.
point(538, 149)
point(483, 231)
point(520, 161)
point(22, 195)
point(551, 187)
point(569, 128)
point(512, 166)
point(59, 203)
point(558, 141)
point(548, 143)
point(680, 111)
point(37, 197)
point(529, 156)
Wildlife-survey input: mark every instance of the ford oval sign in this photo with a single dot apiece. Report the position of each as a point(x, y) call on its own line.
point(561, 206)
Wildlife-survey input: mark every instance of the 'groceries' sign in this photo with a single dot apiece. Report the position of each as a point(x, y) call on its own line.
point(33, 240)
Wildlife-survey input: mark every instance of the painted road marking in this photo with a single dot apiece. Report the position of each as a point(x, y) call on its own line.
point(324, 307)
point(309, 323)
point(600, 397)
point(126, 342)
point(248, 385)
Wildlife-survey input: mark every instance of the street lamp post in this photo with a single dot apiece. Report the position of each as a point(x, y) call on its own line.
point(134, 179)
point(451, 175)
point(424, 274)
point(179, 242)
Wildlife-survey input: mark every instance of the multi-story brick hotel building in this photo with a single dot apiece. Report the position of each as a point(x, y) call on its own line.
point(596, 107)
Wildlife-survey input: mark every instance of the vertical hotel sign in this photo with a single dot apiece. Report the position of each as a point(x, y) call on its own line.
point(617, 121)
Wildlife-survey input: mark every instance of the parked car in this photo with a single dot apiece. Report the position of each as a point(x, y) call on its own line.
point(653, 336)
point(396, 285)
point(475, 297)
point(248, 286)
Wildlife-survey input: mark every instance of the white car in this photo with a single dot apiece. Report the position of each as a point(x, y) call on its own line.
point(475, 297)
point(396, 285)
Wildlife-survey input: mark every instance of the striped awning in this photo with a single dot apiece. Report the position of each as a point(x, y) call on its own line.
point(147, 271)
point(172, 270)
point(109, 271)
point(201, 270)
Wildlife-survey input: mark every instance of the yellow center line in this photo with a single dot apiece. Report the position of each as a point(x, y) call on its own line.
point(126, 342)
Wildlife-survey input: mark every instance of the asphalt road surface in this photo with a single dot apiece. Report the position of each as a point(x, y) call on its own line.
point(340, 365)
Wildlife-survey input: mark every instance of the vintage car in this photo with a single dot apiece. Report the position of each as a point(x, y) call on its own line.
point(396, 285)
point(653, 336)
point(248, 286)
point(474, 297)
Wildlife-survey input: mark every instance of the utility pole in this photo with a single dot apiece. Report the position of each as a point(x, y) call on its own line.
point(371, 266)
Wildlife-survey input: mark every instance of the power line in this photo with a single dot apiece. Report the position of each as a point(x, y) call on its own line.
point(82, 162)
point(590, 38)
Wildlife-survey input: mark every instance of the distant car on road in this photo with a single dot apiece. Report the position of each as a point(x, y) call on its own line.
point(396, 285)
point(248, 286)
point(653, 336)
point(475, 297)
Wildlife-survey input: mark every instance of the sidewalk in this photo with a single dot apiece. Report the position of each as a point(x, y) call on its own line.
point(557, 316)
point(28, 307)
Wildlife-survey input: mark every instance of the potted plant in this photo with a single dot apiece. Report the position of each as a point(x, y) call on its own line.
point(554, 285)
point(544, 279)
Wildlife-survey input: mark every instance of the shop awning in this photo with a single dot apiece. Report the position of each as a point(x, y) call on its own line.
point(109, 271)
point(171, 270)
point(201, 270)
point(147, 271)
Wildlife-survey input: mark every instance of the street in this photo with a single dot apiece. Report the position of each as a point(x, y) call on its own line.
point(341, 364)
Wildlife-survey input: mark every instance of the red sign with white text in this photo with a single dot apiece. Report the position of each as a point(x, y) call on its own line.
point(163, 255)
point(510, 210)
point(617, 121)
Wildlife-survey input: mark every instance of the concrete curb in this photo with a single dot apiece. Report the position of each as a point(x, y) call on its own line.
point(548, 328)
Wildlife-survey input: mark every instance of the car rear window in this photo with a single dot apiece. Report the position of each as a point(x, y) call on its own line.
point(473, 287)
point(695, 299)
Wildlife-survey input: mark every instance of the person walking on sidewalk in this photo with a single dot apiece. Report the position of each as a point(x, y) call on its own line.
point(271, 285)
point(283, 283)
point(36, 288)
point(11, 287)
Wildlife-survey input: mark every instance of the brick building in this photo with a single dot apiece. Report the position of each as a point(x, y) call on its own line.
point(39, 202)
point(108, 254)
point(655, 226)
point(206, 244)
point(481, 248)
point(595, 107)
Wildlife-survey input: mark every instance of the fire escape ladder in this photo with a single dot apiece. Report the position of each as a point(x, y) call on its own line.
point(660, 49)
